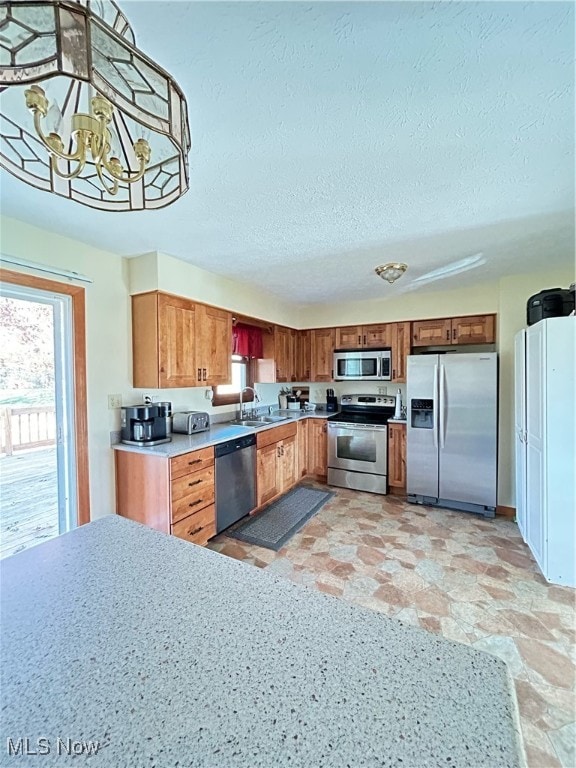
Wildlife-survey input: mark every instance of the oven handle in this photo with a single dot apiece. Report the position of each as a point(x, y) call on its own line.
point(344, 425)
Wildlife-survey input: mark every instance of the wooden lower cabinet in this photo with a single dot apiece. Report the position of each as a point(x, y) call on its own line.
point(302, 434)
point(171, 495)
point(317, 447)
point(397, 456)
point(277, 462)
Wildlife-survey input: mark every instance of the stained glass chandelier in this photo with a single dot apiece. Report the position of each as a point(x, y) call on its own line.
point(83, 112)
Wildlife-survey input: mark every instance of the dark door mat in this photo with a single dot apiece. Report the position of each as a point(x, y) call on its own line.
point(276, 524)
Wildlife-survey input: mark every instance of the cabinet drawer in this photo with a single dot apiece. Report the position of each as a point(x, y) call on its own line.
point(191, 493)
point(270, 436)
point(191, 462)
point(198, 527)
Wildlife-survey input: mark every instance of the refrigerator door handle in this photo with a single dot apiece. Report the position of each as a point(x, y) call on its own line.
point(442, 407)
point(435, 408)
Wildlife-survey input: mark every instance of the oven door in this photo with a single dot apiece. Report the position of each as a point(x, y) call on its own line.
point(357, 447)
point(357, 365)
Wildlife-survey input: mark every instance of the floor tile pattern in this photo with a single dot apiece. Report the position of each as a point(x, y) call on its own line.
point(469, 579)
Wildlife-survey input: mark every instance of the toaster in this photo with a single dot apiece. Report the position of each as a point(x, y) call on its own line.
point(189, 422)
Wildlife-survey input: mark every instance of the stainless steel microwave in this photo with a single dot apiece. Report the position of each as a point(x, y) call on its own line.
point(363, 364)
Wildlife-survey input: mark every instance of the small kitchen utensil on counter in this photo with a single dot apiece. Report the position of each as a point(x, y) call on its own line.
point(293, 403)
point(165, 412)
point(190, 422)
point(398, 408)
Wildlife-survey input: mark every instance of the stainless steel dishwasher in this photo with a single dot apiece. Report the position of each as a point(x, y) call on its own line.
point(235, 480)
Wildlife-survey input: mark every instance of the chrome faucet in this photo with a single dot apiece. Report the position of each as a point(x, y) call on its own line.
point(256, 400)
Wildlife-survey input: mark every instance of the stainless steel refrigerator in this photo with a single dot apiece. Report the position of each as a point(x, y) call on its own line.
point(452, 431)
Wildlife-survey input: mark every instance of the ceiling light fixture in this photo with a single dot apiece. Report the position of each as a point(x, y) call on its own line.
point(110, 126)
point(391, 272)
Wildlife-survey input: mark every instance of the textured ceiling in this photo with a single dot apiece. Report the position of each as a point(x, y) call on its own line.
point(332, 137)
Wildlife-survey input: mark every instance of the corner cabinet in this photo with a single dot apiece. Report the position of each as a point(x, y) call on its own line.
point(170, 495)
point(179, 343)
point(472, 329)
point(397, 457)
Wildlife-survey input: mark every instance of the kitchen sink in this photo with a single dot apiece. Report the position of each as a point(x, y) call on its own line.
point(260, 421)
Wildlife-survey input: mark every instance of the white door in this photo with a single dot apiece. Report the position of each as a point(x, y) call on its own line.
point(535, 442)
point(38, 462)
point(520, 429)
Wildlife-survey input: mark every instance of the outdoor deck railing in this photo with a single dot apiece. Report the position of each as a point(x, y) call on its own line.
point(22, 428)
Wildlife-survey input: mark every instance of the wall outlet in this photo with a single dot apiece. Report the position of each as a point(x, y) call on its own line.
point(114, 401)
point(147, 398)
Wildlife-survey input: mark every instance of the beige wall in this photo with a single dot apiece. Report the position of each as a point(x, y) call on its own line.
point(109, 355)
point(157, 271)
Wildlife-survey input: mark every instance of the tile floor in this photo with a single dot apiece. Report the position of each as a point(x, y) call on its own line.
point(459, 575)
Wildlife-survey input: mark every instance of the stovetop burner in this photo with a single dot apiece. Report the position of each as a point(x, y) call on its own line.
point(365, 409)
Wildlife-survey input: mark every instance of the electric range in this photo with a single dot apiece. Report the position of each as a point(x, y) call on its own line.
point(358, 443)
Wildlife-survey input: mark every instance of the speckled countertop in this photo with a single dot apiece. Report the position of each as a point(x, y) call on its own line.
point(170, 655)
point(218, 433)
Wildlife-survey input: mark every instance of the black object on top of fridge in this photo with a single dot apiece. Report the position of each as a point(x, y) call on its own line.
point(552, 302)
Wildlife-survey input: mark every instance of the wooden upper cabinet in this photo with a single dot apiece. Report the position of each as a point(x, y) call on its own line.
point(476, 329)
point(376, 336)
point(178, 343)
point(163, 341)
point(284, 353)
point(400, 345)
point(348, 338)
point(322, 354)
point(213, 345)
point(426, 333)
point(473, 329)
point(362, 336)
point(302, 355)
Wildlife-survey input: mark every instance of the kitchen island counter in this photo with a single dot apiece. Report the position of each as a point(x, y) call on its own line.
point(166, 654)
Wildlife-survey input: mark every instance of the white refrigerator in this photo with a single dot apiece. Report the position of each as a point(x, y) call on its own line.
point(545, 437)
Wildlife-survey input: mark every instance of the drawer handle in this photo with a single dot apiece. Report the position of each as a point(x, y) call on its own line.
point(196, 461)
point(195, 531)
point(199, 374)
point(204, 374)
point(195, 503)
point(196, 482)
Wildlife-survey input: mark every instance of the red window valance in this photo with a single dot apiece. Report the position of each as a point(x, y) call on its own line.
point(247, 340)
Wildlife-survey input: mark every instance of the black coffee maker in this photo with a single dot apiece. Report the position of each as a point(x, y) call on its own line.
point(142, 425)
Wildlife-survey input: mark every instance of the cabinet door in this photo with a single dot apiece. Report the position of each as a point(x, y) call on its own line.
point(322, 354)
point(302, 448)
point(317, 447)
point(214, 346)
point(376, 336)
point(302, 355)
point(396, 455)
point(431, 332)
point(177, 342)
point(348, 338)
point(400, 343)
point(288, 463)
point(283, 356)
point(477, 329)
point(267, 476)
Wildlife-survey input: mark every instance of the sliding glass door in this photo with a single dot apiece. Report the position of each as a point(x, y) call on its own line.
point(38, 477)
